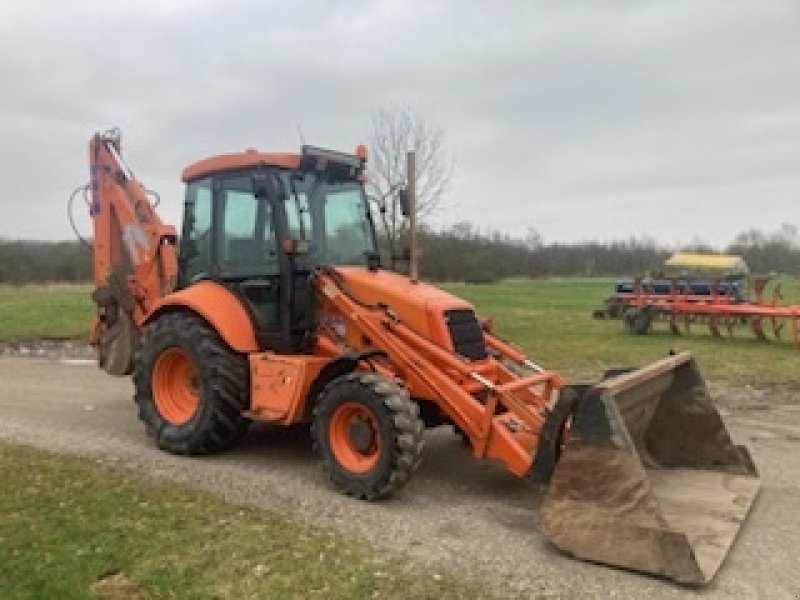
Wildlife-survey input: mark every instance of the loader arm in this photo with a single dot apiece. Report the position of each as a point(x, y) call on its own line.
point(134, 257)
point(504, 425)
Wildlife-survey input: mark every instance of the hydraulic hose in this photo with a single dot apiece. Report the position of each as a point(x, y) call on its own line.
point(85, 189)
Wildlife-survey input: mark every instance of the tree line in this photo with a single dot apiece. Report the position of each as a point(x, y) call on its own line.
point(462, 252)
point(28, 261)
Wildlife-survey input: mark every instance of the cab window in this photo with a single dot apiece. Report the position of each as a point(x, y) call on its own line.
point(196, 247)
point(246, 244)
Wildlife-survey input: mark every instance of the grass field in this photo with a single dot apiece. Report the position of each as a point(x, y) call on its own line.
point(551, 319)
point(69, 522)
point(56, 311)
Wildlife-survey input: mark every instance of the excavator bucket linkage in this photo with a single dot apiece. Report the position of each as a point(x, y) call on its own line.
point(649, 478)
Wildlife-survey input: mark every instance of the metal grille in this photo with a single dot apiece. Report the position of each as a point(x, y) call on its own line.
point(466, 334)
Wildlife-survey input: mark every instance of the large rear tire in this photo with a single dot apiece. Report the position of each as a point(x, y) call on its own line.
point(368, 434)
point(190, 387)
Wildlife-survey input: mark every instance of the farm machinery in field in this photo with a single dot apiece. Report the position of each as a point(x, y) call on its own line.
point(722, 301)
point(272, 306)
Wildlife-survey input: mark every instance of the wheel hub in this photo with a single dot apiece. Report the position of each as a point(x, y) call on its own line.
point(354, 437)
point(175, 386)
point(362, 437)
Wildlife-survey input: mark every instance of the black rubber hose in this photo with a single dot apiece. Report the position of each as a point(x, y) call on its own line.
point(81, 188)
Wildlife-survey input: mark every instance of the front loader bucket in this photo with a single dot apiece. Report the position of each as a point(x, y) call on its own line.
point(649, 478)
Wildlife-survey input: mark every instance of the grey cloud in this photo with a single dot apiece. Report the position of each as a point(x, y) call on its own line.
point(592, 120)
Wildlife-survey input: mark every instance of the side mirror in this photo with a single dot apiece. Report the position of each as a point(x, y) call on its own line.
point(405, 205)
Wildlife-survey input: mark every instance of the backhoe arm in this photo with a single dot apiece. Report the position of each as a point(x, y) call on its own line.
point(134, 260)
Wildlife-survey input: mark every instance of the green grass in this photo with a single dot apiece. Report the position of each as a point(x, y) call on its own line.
point(551, 320)
point(57, 311)
point(65, 522)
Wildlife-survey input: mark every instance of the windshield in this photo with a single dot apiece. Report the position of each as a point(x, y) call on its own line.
point(333, 218)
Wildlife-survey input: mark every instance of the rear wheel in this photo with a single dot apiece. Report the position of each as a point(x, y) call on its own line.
point(191, 388)
point(368, 434)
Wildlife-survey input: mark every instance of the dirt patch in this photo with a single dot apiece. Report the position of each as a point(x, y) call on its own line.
point(118, 586)
point(749, 398)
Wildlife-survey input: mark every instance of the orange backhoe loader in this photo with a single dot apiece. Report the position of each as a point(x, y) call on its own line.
point(272, 306)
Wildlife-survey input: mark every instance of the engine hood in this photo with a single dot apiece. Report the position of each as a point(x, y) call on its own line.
point(419, 305)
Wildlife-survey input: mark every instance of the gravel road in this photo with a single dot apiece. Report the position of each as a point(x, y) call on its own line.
point(457, 515)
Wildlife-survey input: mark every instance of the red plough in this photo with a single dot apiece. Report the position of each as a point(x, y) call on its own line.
point(719, 310)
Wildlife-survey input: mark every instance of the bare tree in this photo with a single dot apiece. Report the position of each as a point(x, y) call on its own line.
point(395, 131)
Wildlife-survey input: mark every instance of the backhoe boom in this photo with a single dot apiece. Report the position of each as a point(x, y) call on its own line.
point(134, 260)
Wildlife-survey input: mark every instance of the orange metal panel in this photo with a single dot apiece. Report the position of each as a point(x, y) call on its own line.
point(279, 385)
point(419, 305)
point(220, 308)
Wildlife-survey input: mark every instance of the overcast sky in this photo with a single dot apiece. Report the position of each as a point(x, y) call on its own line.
point(593, 120)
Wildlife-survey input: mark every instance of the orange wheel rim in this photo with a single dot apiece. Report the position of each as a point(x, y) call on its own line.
point(174, 383)
point(354, 437)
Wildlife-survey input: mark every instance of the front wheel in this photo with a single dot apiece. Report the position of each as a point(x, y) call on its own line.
point(368, 434)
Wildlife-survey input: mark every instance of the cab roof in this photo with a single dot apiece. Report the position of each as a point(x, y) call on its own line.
point(237, 161)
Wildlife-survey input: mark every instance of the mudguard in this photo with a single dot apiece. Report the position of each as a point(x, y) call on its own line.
point(219, 307)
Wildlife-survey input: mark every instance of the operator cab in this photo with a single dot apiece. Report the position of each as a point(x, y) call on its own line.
point(259, 224)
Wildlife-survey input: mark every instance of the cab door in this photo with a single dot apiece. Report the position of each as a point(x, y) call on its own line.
point(246, 251)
